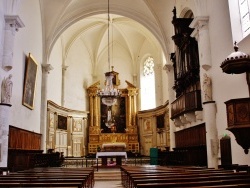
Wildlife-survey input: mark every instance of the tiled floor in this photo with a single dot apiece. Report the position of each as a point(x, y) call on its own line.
point(108, 184)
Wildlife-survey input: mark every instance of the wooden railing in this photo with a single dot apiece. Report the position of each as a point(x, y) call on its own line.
point(188, 102)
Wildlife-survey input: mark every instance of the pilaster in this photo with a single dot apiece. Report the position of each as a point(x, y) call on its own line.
point(212, 133)
point(201, 33)
point(12, 25)
point(4, 133)
point(46, 68)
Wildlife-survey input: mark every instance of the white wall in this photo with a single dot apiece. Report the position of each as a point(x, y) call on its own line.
point(78, 77)
point(27, 40)
point(55, 76)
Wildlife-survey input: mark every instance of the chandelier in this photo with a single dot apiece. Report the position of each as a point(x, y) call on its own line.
point(109, 94)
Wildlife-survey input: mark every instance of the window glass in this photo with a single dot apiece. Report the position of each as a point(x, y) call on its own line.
point(148, 85)
point(245, 17)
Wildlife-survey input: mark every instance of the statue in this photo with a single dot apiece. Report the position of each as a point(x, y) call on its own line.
point(6, 90)
point(207, 88)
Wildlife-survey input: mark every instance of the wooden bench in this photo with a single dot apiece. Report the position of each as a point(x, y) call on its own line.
point(181, 177)
point(50, 177)
point(218, 183)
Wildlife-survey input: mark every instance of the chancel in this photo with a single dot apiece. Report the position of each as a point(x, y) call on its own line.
point(101, 78)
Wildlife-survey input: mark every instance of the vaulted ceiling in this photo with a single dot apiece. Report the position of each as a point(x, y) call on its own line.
point(133, 24)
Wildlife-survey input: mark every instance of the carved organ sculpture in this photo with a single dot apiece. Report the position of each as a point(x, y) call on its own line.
point(186, 69)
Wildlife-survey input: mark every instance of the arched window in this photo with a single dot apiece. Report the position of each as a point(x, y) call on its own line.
point(148, 85)
point(244, 16)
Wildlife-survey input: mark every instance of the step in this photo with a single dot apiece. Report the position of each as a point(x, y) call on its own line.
point(108, 176)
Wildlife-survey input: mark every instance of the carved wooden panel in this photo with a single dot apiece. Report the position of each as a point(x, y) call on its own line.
point(238, 111)
point(194, 136)
point(23, 139)
point(225, 149)
point(188, 102)
point(23, 145)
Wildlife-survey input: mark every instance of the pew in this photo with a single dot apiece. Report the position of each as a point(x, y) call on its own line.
point(50, 177)
point(156, 176)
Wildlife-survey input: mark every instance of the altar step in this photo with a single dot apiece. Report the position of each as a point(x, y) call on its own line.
point(108, 175)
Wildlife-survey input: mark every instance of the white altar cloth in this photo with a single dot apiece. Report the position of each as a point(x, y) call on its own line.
point(111, 154)
point(115, 144)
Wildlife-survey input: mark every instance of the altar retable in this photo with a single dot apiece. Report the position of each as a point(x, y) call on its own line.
point(114, 146)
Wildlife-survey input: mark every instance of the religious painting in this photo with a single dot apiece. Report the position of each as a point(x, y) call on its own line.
point(117, 114)
point(147, 126)
point(62, 122)
point(160, 121)
point(30, 82)
point(77, 125)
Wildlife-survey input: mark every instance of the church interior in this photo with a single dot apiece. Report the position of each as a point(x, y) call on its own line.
point(80, 78)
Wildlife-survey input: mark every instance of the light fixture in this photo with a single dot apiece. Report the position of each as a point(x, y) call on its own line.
point(109, 94)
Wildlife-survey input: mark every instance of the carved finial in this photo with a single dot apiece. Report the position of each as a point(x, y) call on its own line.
point(236, 47)
point(112, 68)
point(174, 13)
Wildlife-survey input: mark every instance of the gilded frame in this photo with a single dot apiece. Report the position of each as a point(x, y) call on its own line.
point(30, 82)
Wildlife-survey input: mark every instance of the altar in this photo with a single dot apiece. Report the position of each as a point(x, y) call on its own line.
point(114, 147)
point(105, 155)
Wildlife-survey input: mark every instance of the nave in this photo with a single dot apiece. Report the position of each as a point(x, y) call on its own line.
point(128, 176)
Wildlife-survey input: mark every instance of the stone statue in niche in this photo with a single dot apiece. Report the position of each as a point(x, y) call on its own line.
point(207, 88)
point(6, 87)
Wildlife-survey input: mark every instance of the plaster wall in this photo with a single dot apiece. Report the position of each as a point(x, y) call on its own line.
point(78, 77)
point(24, 44)
point(55, 76)
point(225, 86)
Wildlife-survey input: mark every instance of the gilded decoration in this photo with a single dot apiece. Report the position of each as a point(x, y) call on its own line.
point(93, 138)
point(147, 126)
point(94, 130)
point(92, 90)
point(51, 120)
point(106, 138)
point(123, 113)
point(77, 125)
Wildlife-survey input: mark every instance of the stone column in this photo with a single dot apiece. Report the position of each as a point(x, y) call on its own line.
point(201, 33)
point(212, 133)
point(45, 71)
point(170, 72)
point(4, 133)
point(64, 69)
point(12, 24)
